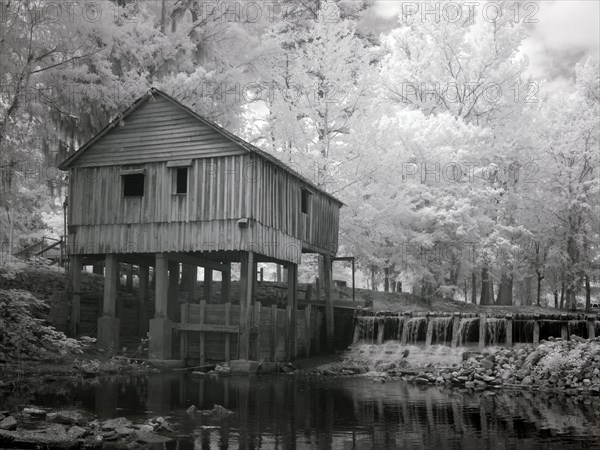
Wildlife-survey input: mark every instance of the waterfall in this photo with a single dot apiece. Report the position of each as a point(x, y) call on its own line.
point(415, 327)
point(465, 328)
point(495, 331)
point(578, 327)
point(441, 325)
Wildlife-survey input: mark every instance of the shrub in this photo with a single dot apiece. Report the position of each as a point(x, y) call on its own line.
point(23, 332)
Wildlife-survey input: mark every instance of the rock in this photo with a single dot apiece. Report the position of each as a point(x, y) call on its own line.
point(527, 380)
point(470, 354)
point(288, 368)
point(595, 388)
point(223, 369)
point(49, 438)
point(146, 428)
point(553, 378)
point(576, 338)
point(8, 423)
point(150, 438)
point(385, 367)
point(469, 384)
point(191, 410)
point(217, 411)
point(268, 367)
point(35, 412)
point(486, 364)
point(119, 422)
point(421, 380)
point(160, 424)
point(76, 432)
point(67, 417)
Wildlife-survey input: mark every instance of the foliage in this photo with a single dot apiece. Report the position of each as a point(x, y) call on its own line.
point(25, 334)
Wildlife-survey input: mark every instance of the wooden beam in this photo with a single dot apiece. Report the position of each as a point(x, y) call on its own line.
point(208, 281)
point(247, 264)
point(76, 266)
point(292, 294)
point(226, 286)
point(161, 291)
point(198, 261)
point(110, 285)
point(129, 277)
point(173, 292)
point(329, 317)
point(143, 297)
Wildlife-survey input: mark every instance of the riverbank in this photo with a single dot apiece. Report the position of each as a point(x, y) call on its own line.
point(568, 366)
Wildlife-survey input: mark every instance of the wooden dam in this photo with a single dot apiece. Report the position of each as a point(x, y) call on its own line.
point(469, 329)
point(166, 191)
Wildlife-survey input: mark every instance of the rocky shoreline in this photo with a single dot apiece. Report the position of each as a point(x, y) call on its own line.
point(36, 427)
point(570, 366)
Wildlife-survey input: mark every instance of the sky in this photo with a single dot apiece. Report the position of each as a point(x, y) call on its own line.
point(567, 31)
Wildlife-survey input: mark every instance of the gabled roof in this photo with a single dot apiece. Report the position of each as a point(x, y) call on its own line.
point(67, 163)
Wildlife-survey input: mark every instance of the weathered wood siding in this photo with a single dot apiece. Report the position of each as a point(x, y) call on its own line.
point(226, 182)
point(159, 130)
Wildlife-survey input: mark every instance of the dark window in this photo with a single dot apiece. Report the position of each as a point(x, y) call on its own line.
point(133, 185)
point(182, 180)
point(305, 201)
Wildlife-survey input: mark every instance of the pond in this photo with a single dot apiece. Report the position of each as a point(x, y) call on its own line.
point(288, 412)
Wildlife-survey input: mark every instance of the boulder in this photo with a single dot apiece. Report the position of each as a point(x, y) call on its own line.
point(67, 418)
point(76, 432)
point(37, 413)
point(8, 423)
point(113, 424)
point(218, 411)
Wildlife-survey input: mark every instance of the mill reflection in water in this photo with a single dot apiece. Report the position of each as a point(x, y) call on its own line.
point(288, 413)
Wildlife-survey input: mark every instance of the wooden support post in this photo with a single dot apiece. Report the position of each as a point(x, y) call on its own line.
point(356, 336)
point(380, 330)
point(227, 335)
point(254, 277)
point(189, 276)
point(161, 290)
point(307, 318)
point(143, 297)
point(98, 269)
point(273, 337)
point(129, 277)
point(247, 264)
point(256, 330)
point(429, 333)
point(110, 286)
point(292, 292)
point(482, 329)
point(455, 328)
point(308, 294)
point(173, 292)
point(226, 285)
point(208, 279)
point(278, 274)
point(318, 330)
point(108, 324)
point(318, 289)
point(183, 335)
point(262, 274)
point(329, 314)
point(76, 266)
point(287, 331)
point(509, 330)
point(161, 327)
point(202, 337)
point(591, 326)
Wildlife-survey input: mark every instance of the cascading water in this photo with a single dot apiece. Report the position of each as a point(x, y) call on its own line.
point(465, 328)
point(416, 328)
point(578, 327)
point(442, 330)
point(495, 331)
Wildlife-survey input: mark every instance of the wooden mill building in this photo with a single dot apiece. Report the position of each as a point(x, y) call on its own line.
point(161, 187)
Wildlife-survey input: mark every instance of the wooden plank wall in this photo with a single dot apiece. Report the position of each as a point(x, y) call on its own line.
point(158, 130)
point(271, 326)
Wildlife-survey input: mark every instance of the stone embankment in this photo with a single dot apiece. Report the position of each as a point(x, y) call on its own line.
point(570, 366)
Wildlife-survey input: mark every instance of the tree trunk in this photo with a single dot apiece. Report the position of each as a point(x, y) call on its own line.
point(540, 277)
point(505, 291)
point(562, 295)
point(386, 279)
point(484, 299)
point(473, 288)
point(373, 287)
point(588, 294)
point(556, 298)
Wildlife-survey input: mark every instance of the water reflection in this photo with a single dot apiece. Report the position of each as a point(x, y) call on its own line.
point(288, 413)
